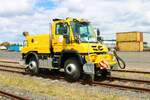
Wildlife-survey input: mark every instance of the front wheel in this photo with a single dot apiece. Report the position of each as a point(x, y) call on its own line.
point(72, 69)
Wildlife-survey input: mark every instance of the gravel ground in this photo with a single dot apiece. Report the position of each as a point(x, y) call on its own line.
point(4, 98)
point(96, 92)
point(24, 93)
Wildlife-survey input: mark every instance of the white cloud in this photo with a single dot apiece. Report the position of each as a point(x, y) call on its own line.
point(13, 7)
point(110, 16)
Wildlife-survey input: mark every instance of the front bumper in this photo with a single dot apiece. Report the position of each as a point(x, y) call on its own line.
point(99, 65)
point(90, 69)
point(96, 59)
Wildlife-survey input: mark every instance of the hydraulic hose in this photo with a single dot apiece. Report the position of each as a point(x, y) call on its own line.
point(119, 60)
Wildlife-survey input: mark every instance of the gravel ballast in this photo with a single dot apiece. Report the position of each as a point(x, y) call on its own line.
point(45, 89)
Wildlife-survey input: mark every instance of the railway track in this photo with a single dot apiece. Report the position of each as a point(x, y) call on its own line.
point(131, 80)
point(12, 69)
point(122, 86)
point(8, 66)
point(9, 61)
point(97, 83)
point(12, 96)
point(131, 71)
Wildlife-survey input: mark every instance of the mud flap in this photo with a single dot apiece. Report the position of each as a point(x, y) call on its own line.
point(89, 69)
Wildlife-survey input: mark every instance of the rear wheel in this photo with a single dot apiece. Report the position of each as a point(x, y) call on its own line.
point(32, 66)
point(72, 69)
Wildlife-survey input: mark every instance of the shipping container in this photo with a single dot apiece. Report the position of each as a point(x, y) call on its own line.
point(130, 46)
point(16, 48)
point(129, 37)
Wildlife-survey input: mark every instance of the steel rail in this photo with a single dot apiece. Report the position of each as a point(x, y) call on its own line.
point(131, 71)
point(127, 79)
point(7, 61)
point(122, 86)
point(12, 96)
point(8, 66)
point(13, 71)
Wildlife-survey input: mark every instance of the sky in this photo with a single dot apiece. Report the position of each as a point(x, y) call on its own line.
point(111, 16)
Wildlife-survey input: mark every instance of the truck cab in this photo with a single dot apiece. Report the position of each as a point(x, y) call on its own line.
point(72, 44)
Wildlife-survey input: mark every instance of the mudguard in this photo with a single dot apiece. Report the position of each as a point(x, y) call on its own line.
point(89, 69)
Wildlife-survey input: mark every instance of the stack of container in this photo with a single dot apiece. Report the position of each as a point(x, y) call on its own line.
point(129, 41)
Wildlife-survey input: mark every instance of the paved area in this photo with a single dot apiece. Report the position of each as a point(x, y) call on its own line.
point(136, 60)
point(15, 56)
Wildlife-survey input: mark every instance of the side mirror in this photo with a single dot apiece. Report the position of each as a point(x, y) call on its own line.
point(98, 32)
point(65, 34)
point(99, 38)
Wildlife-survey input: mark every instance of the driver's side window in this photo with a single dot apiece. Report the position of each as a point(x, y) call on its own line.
point(59, 28)
point(62, 29)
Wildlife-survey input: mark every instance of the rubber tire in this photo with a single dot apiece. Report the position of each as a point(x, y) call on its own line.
point(36, 70)
point(74, 77)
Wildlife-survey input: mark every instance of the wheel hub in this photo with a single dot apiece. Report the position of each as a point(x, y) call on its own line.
point(71, 68)
point(32, 65)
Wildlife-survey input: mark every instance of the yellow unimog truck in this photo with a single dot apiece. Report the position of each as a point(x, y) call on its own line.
point(72, 45)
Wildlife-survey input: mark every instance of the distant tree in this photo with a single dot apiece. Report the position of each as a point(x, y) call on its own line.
point(145, 44)
point(6, 44)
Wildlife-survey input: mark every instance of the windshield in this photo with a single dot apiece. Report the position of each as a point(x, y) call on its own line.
point(84, 31)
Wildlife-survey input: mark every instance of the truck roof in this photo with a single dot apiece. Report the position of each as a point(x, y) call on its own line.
point(71, 19)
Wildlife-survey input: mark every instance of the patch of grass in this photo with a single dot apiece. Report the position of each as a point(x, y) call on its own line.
point(59, 90)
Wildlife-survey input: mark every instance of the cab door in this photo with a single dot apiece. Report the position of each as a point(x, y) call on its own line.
point(59, 41)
